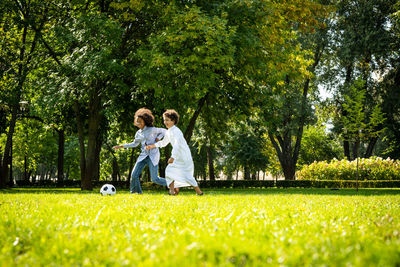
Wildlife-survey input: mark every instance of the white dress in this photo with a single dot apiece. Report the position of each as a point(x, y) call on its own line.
point(182, 169)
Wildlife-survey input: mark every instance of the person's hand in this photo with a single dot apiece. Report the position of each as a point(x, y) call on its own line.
point(170, 160)
point(117, 147)
point(150, 147)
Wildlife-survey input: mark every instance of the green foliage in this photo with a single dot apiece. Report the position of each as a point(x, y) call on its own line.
point(361, 46)
point(391, 108)
point(318, 142)
point(37, 145)
point(290, 227)
point(245, 149)
point(90, 42)
point(374, 168)
point(186, 59)
point(356, 124)
point(318, 145)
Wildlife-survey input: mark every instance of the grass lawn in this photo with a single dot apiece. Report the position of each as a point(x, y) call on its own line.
point(252, 227)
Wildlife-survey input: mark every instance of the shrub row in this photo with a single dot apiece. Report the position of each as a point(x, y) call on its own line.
point(302, 184)
point(374, 168)
point(236, 184)
point(68, 183)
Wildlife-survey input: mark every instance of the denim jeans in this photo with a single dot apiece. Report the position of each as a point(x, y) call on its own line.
point(137, 170)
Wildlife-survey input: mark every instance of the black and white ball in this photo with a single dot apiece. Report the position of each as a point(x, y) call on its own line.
point(108, 189)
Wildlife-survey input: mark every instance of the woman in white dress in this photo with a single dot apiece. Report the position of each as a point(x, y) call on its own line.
point(179, 172)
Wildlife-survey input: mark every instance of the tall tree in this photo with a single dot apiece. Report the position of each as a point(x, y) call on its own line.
point(21, 24)
point(87, 72)
point(362, 42)
point(293, 58)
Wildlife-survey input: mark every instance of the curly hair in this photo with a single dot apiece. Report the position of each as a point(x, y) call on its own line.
point(172, 115)
point(146, 115)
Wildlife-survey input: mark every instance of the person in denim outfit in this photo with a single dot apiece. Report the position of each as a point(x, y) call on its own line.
point(146, 135)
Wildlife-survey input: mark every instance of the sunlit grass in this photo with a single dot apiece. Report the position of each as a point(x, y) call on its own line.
point(66, 227)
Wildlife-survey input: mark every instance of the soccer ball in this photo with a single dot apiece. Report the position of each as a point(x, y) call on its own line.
point(108, 189)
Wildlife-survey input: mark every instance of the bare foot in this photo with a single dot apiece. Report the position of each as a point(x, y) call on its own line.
point(176, 191)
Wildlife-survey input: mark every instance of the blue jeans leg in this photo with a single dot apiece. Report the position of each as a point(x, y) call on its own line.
point(135, 182)
point(154, 173)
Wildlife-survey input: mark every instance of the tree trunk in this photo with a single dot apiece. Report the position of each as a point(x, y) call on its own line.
point(288, 167)
point(99, 141)
point(7, 157)
point(10, 180)
point(210, 159)
point(81, 138)
point(93, 131)
point(60, 158)
point(346, 143)
point(356, 146)
point(114, 170)
point(192, 122)
point(370, 148)
point(284, 151)
point(246, 173)
point(346, 147)
point(26, 178)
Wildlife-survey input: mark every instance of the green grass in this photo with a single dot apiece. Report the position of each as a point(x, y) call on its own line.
point(288, 227)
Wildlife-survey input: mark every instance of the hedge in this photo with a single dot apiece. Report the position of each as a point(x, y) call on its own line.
point(234, 184)
point(374, 168)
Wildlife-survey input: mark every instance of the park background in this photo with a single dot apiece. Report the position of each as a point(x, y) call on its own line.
point(265, 89)
point(302, 92)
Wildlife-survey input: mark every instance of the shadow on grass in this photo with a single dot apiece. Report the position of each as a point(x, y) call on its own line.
point(217, 191)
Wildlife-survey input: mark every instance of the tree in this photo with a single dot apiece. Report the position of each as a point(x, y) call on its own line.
point(357, 126)
point(319, 144)
point(391, 109)
point(86, 76)
point(21, 25)
point(284, 101)
point(363, 45)
point(244, 148)
point(186, 61)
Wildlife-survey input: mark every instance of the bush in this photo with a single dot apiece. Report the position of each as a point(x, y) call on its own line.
point(374, 168)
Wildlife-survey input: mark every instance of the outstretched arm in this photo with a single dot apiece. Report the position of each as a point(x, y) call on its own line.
point(135, 143)
point(161, 143)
